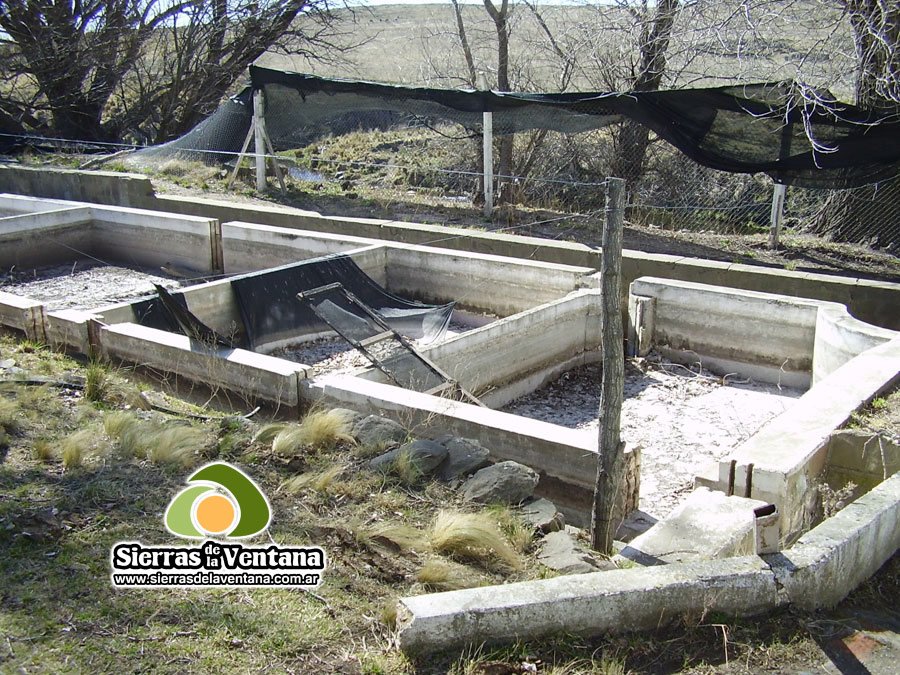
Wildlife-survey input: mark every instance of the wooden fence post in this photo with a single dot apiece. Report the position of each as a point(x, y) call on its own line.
point(609, 490)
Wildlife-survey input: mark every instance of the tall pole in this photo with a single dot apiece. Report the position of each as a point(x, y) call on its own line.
point(259, 140)
point(609, 490)
point(775, 217)
point(487, 139)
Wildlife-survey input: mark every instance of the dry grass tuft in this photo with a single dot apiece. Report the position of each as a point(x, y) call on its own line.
point(407, 469)
point(474, 537)
point(10, 415)
point(319, 430)
point(519, 534)
point(42, 450)
point(76, 448)
point(117, 423)
point(96, 382)
point(267, 433)
point(319, 481)
point(404, 537)
point(439, 575)
point(174, 445)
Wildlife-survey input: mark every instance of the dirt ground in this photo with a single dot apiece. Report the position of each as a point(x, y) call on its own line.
point(682, 419)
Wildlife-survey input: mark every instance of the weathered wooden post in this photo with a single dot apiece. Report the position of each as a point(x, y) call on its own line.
point(487, 146)
point(259, 140)
point(776, 215)
point(609, 490)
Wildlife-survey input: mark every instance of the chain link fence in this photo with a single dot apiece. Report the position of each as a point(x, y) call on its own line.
point(420, 168)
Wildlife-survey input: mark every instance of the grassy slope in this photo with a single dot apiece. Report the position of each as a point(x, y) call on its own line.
point(58, 612)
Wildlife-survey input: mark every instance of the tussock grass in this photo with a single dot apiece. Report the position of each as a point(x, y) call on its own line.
point(319, 430)
point(267, 432)
point(42, 450)
point(10, 415)
point(405, 537)
point(439, 575)
point(473, 537)
point(407, 469)
point(174, 445)
point(117, 423)
point(96, 382)
point(319, 481)
point(76, 448)
point(519, 534)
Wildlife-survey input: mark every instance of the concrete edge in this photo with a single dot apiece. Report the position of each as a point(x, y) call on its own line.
point(819, 571)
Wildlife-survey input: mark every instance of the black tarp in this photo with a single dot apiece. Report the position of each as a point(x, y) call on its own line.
point(272, 313)
point(766, 127)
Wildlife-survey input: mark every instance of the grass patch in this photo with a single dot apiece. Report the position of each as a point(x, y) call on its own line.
point(96, 382)
point(42, 450)
point(175, 444)
point(10, 415)
point(437, 576)
point(319, 430)
point(77, 447)
point(473, 537)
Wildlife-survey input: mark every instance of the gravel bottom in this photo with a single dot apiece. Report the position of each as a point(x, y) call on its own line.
point(682, 419)
point(85, 285)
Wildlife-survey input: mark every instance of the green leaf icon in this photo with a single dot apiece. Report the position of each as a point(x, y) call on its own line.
point(255, 511)
point(178, 515)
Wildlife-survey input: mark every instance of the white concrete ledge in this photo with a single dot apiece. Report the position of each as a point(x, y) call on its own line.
point(831, 560)
point(782, 459)
point(23, 314)
point(819, 571)
point(586, 604)
point(253, 376)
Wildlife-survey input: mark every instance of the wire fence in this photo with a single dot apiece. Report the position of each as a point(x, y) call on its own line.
point(434, 174)
point(421, 168)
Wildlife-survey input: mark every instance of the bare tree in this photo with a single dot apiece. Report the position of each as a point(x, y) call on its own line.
point(103, 69)
point(653, 46)
point(848, 216)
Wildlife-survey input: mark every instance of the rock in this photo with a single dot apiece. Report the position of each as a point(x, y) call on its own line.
point(543, 515)
point(426, 455)
point(384, 462)
point(352, 417)
point(464, 457)
point(375, 430)
point(6, 364)
point(501, 483)
point(562, 553)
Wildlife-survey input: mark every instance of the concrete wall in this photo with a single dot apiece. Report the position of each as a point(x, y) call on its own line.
point(255, 377)
point(782, 460)
point(100, 187)
point(44, 238)
point(871, 301)
point(772, 338)
point(478, 282)
point(840, 337)
point(24, 315)
point(248, 247)
point(511, 357)
point(50, 231)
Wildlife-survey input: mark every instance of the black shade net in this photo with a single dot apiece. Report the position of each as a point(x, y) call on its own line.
point(767, 127)
point(272, 313)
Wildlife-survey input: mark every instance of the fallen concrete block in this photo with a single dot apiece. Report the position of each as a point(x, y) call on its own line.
point(705, 526)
